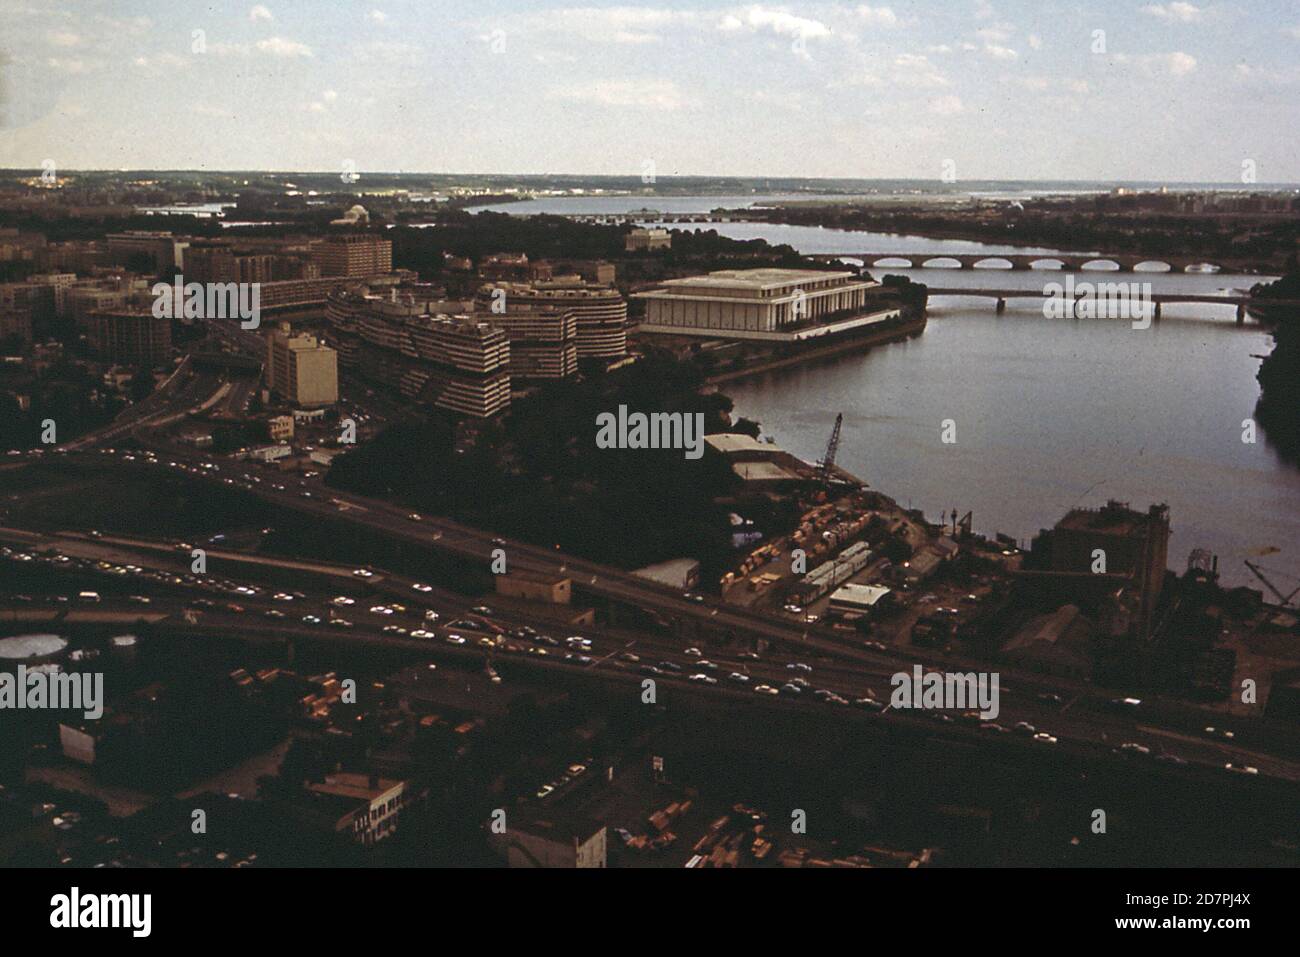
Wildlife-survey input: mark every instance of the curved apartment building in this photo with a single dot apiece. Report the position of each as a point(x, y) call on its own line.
point(453, 362)
point(601, 311)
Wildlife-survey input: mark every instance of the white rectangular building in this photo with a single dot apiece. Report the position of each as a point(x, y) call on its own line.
point(768, 303)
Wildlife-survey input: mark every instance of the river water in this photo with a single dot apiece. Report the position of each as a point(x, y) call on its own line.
point(1049, 413)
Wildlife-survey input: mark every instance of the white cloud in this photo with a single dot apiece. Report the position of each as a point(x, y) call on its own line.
point(621, 25)
point(260, 13)
point(1267, 76)
point(1182, 12)
point(61, 65)
point(945, 105)
point(1160, 64)
point(998, 33)
point(915, 70)
point(1000, 52)
point(329, 96)
point(64, 38)
point(656, 94)
point(1035, 41)
point(878, 16)
point(377, 16)
point(160, 62)
point(777, 21)
point(280, 47)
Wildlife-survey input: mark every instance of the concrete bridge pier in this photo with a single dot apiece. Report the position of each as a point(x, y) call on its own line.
point(1241, 314)
point(1155, 316)
point(1002, 307)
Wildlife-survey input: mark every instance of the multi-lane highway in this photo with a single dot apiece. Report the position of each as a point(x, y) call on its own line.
point(384, 609)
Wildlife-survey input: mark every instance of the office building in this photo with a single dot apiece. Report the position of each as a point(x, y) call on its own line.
point(353, 254)
point(301, 369)
point(130, 337)
point(150, 251)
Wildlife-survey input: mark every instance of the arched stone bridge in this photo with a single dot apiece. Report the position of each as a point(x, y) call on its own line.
point(1065, 262)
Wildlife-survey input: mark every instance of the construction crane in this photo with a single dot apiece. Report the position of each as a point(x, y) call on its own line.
point(828, 460)
point(1283, 600)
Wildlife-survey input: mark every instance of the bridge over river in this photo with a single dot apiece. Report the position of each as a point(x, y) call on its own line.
point(1111, 295)
point(1065, 262)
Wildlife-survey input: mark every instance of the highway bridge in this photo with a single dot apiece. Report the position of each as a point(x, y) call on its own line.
point(706, 621)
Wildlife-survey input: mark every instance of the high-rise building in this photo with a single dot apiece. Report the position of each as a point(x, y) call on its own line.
point(465, 367)
point(160, 250)
point(427, 347)
point(130, 337)
point(601, 312)
point(353, 254)
point(543, 343)
point(301, 369)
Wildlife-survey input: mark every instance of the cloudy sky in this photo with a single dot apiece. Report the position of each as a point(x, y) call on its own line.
point(1030, 89)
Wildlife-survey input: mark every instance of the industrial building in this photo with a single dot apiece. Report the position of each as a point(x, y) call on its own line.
point(1131, 544)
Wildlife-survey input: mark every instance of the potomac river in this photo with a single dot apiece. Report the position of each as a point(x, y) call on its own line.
point(1049, 413)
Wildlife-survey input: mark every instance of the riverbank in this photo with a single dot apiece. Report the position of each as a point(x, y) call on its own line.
point(907, 329)
point(1158, 236)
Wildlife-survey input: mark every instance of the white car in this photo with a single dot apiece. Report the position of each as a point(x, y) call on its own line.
point(343, 601)
point(455, 640)
point(422, 587)
point(738, 677)
point(363, 573)
point(1044, 737)
point(418, 633)
point(380, 610)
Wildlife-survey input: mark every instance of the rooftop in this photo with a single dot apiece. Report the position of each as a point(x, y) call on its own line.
point(865, 595)
point(761, 278)
point(731, 443)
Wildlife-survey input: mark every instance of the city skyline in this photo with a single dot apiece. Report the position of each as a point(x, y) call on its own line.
point(978, 90)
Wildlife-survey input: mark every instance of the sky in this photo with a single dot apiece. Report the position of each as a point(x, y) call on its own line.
point(975, 89)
